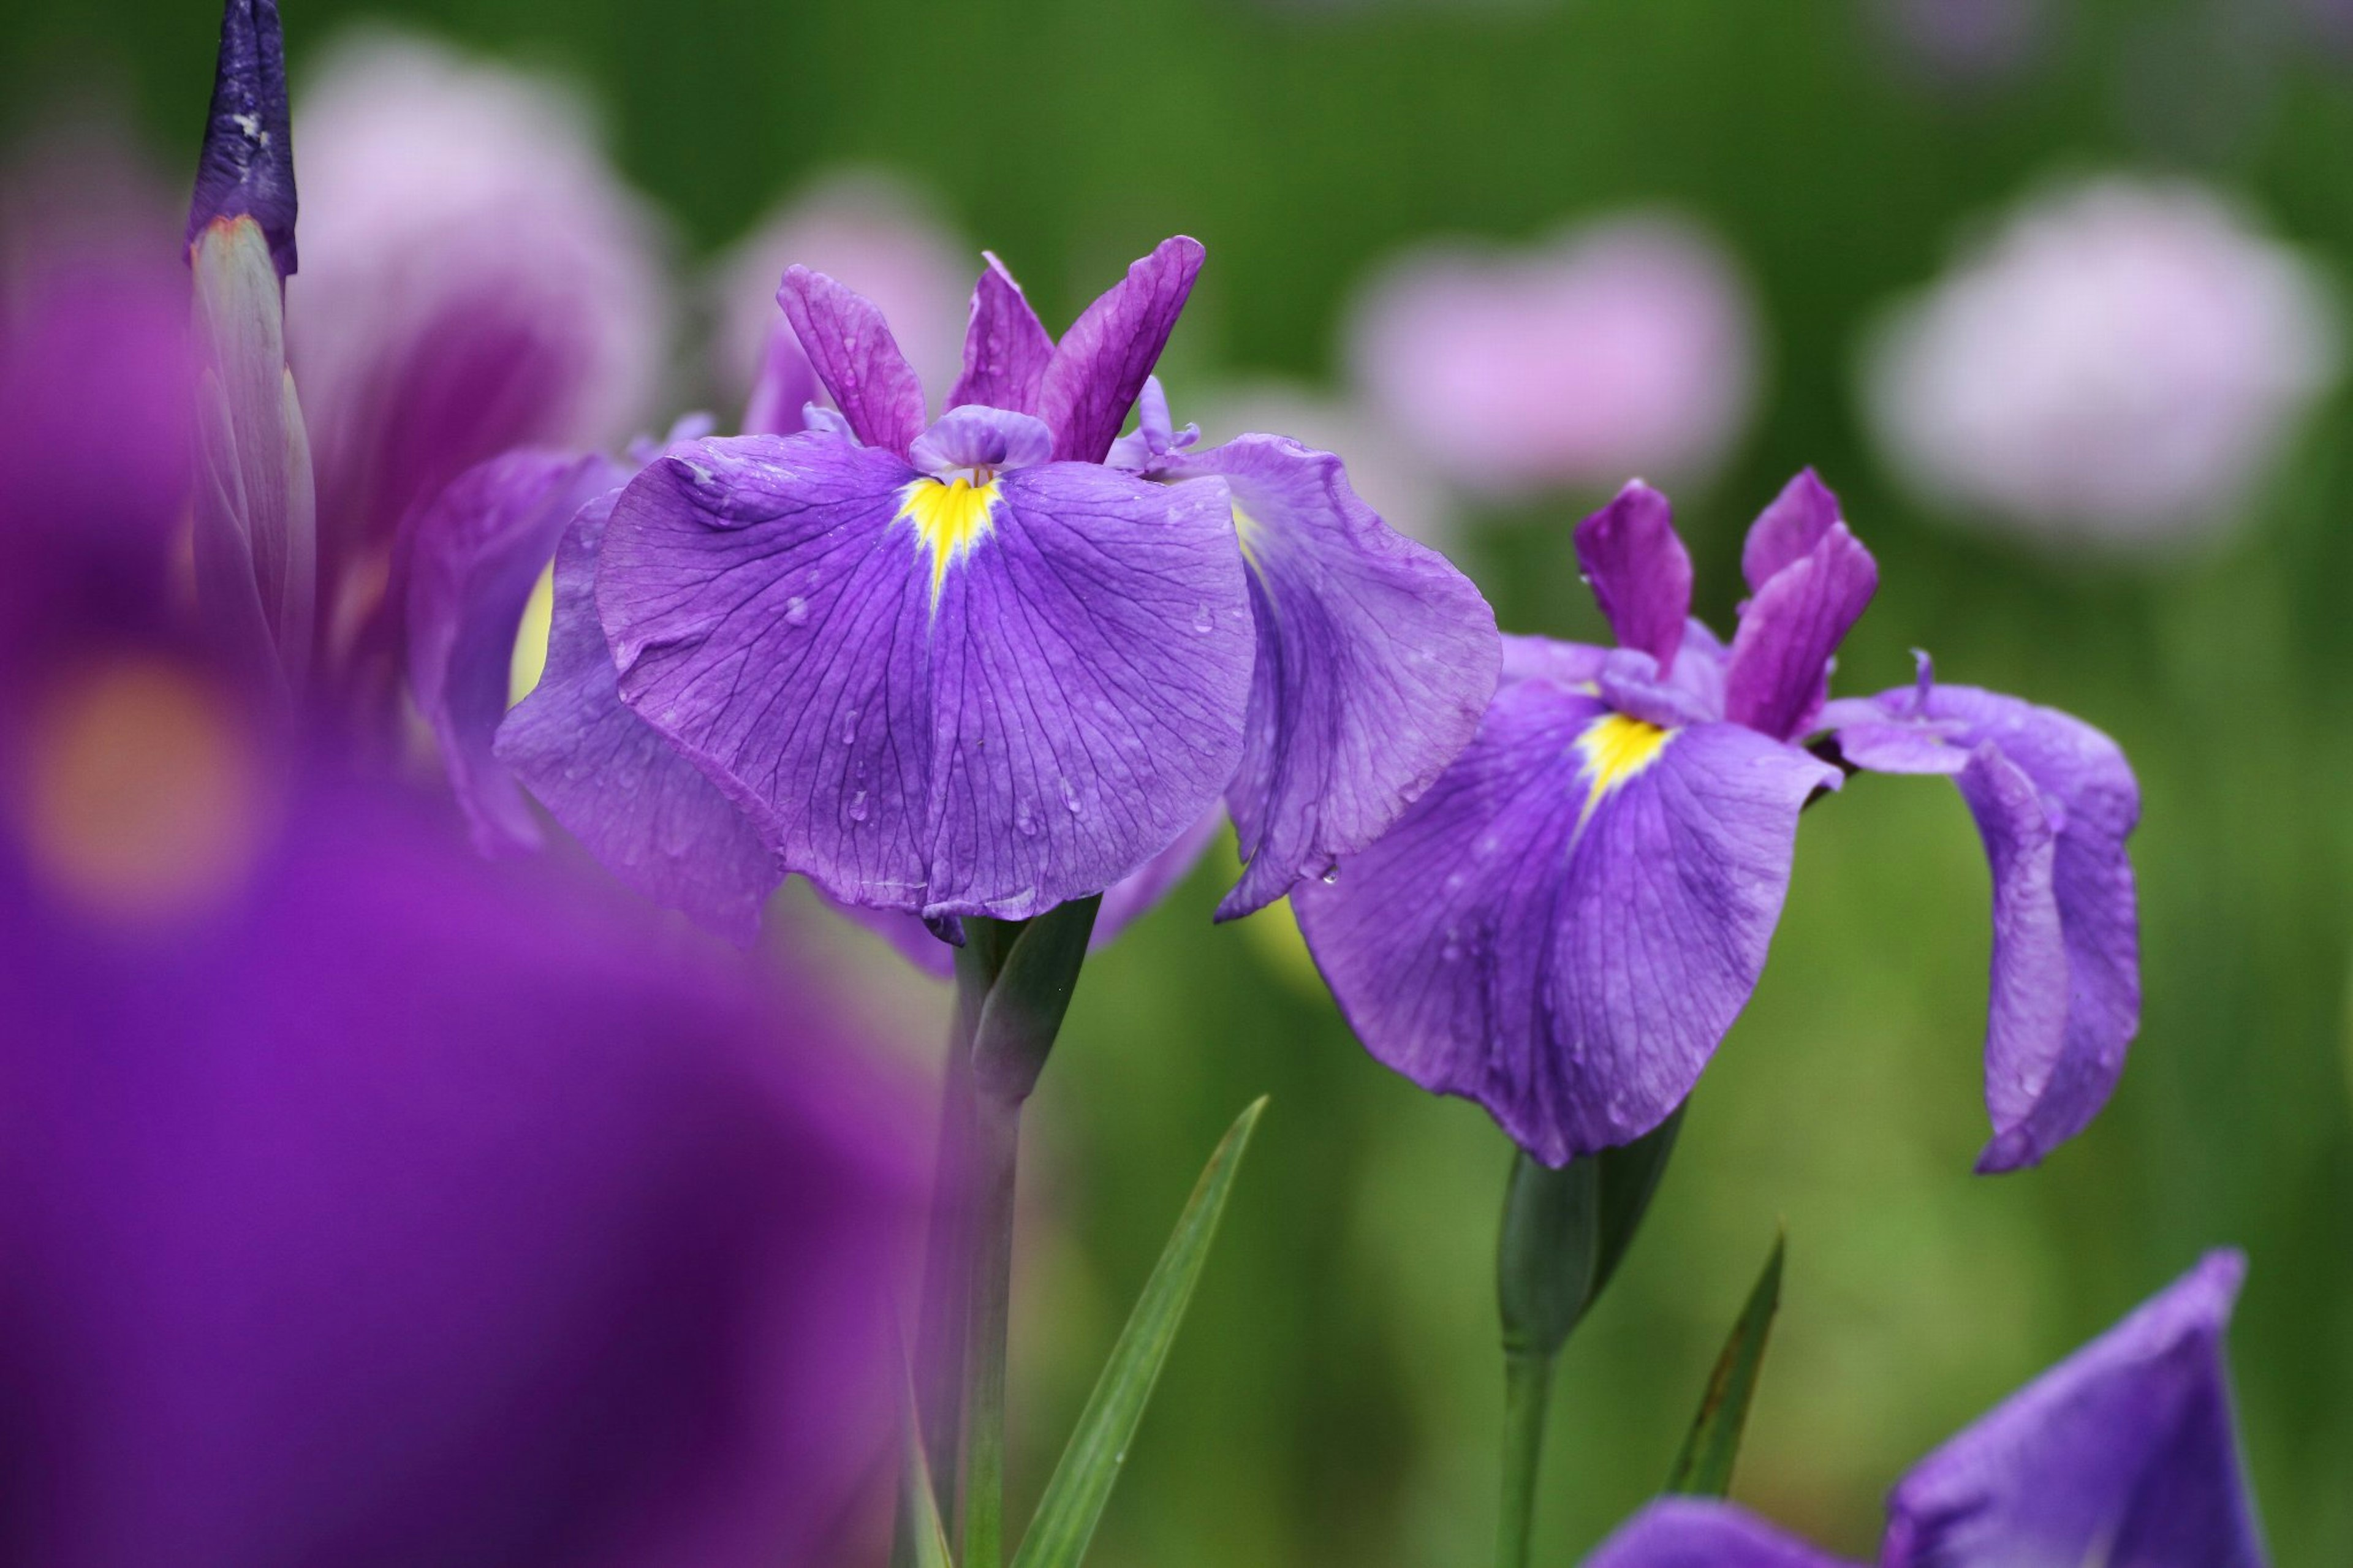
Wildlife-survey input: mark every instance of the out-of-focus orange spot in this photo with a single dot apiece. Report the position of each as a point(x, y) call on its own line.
point(144, 797)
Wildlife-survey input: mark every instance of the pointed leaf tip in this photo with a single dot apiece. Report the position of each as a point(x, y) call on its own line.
point(1080, 1488)
point(1704, 1469)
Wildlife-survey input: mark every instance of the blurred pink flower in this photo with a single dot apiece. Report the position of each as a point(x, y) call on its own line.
point(474, 277)
point(1621, 347)
point(1966, 40)
point(2119, 362)
point(871, 233)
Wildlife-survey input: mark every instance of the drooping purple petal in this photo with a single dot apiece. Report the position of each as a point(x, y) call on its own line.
point(2055, 801)
point(1698, 1532)
point(2125, 1453)
point(634, 801)
point(1788, 531)
point(1778, 675)
point(1100, 365)
point(991, 719)
point(1641, 573)
point(1376, 658)
point(851, 347)
point(1124, 902)
point(1564, 926)
point(247, 168)
point(1006, 349)
point(473, 555)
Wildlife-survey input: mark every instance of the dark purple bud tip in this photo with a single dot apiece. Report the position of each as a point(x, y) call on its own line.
point(248, 166)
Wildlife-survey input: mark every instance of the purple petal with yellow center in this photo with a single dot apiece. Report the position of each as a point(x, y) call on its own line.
point(473, 557)
point(634, 803)
point(1376, 658)
point(1698, 1532)
point(1778, 675)
point(2125, 1453)
point(1100, 365)
point(1564, 926)
point(2054, 800)
point(1006, 348)
point(1641, 573)
point(851, 347)
point(943, 697)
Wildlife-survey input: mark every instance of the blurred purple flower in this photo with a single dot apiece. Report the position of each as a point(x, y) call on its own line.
point(973, 668)
point(363, 1207)
point(477, 279)
point(2118, 364)
point(1626, 345)
point(1565, 925)
point(875, 234)
point(1965, 41)
point(2126, 1453)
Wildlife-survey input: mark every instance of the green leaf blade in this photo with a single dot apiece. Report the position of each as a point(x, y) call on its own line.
point(1075, 1498)
point(1704, 1469)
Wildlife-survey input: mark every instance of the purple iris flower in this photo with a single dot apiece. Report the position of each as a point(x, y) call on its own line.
point(2126, 1453)
point(970, 668)
point(364, 1203)
point(1565, 924)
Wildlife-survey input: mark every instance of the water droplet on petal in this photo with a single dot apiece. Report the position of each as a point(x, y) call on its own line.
point(795, 611)
point(858, 806)
point(848, 731)
point(1023, 823)
point(1205, 619)
point(1331, 873)
point(1069, 796)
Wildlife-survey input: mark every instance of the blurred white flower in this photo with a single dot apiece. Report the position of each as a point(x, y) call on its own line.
point(2120, 363)
point(1385, 472)
point(869, 231)
point(1621, 347)
point(474, 277)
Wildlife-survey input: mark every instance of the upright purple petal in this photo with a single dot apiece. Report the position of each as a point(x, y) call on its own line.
point(473, 557)
point(1100, 365)
point(1778, 675)
point(1006, 349)
point(1015, 711)
point(1564, 926)
point(851, 347)
point(388, 1211)
point(2055, 801)
point(1641, 573)
point(638, 804)
point(1788, 531)
point(1376, 658)
point(247, 168)
point(2126, 1453)
point(1697, 1532)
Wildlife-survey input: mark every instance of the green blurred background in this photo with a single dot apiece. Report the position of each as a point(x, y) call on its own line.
point(1335, 1396)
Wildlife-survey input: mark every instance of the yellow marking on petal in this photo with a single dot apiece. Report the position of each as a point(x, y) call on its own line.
point(1615, 748)
point(528, 662)
point(1247, 531)
point(950, 519)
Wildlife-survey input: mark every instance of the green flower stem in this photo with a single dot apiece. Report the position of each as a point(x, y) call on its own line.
point(995, 1147)
point(1528, 1396)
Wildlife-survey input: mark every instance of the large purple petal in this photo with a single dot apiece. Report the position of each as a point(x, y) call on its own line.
point(2054, 800)
point(473, 555)
point(1779, 671)
point(1006, 347)
point(988, 729)
point(1376, 658)
point(1697, 1532)
point(2125, 1453)
point(1565, 924)
point(633, 800)
point(1788, 531)
point(851, 347)
point(1100, 365)
point(397, 1211)
point(1641, 573)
